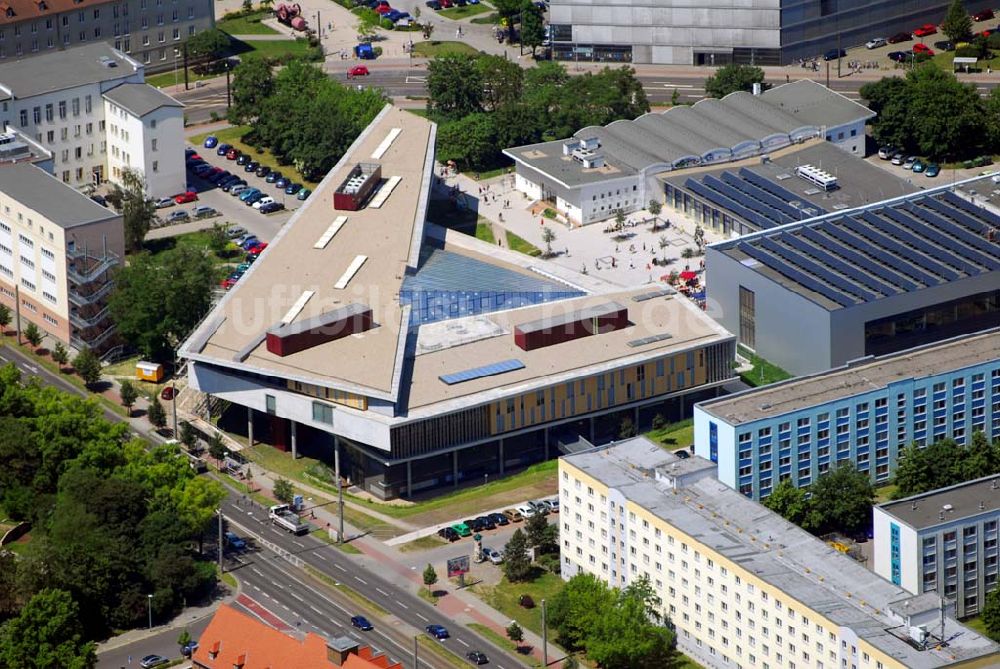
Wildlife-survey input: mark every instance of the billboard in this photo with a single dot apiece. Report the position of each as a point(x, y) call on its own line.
point(457, 566)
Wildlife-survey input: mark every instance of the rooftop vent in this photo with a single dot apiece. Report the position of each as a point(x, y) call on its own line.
point(288, 338)
point(108, 61)
point(817, 177)
point(948, 507)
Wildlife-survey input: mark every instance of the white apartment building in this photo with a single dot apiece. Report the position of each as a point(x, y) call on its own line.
point(944, 541)
point(743, 587)
point(143, 125)
point(58, 99)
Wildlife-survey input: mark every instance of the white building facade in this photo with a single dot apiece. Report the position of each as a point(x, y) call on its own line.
point(143, 127)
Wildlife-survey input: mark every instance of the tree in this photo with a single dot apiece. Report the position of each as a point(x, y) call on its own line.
point(454, 86)
point(252, 83)
point(535, 530)
point(427, 29)
point(548, 236)
point(992, 121)
point(188, 436)
point(208, 45)
point(60, 355)
point(508, 9)
point(33, 335)
point(368, 22)
point(138, 211)
point(515, 633)
point(957, 24)
point(283, 491)
point(217, 449)
point(532, 26)
point(841, 501)
point(516, 563)
point(731, 78)
point(184, 639)
point(217, 239)
point(654, 207)
point(88, 366)
point(470, 141)
point(991, 614)
point(430, 577)
point(664, 243)
point(156, 414)
point(619, 218)
point(788, 501)
point(129, 394)
point(158, 298)
point(626, 429)
point(502, 81)
point(47, 634)
point(5, 317)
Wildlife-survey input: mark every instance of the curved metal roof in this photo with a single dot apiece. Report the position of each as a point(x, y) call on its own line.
point(668, 150)
point(668, 128)
point(720, 135)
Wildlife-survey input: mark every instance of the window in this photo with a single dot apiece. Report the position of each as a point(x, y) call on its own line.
point(270, 404)
point(153, 144)
point(62, 109)
point(322, 413)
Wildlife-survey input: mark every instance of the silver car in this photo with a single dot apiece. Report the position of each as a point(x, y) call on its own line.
point(178, 216)
point(493, 555)
point(165, 202)
point(875, 43)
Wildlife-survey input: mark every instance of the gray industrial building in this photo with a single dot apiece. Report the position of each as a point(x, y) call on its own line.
point(717, 32)
point(869, 281)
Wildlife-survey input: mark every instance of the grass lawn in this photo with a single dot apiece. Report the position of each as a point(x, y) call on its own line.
point(521, 245)
point(885, 493)
point(234, 135)
point(685, 662)
point(435, 48)
point(169, 78)
point(504, 596)
point(491, 19)
point(943, 59)
point(763, 372)
point(674, 435)
point(271, 48)
point(456, 13)
point(976, 624)
point(422, 544)
point(484, 231)
point(499, 639)
point(247, 25)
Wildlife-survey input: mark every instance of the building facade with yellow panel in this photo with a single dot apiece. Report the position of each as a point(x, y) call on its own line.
point(743, 587)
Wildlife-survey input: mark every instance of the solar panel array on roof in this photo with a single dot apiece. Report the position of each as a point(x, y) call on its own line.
point(652, 295)
point(636, 343)
point(479, 372)
point(881, 251)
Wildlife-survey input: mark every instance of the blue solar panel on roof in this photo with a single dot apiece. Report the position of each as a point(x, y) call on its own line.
point(940, 255)
point(969, 261)
point(760, 194)
point(806, 264)
point(904, 254)
point(764, 210)
point(986, 250)
point(715, 197)
point(963, 204)
point(479, 372)
point(846, 268)
point(776, 189)
point(887, 259)
point(958, 215)
point(795, 275)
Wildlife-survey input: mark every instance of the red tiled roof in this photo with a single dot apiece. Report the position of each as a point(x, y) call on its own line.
point(234, 639)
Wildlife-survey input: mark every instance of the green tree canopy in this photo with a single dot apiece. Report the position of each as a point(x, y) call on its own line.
point(957, 24)
point(252, 83)
point(208, 45)
point(731, 78)
point(502, 81)
point(283, 491)
point(160, 297)
point(841, 501)
point(430, 576)
point(156, 414)
point(138, 211)
point(88, 366)
point(129, 394)
point(991, 614)
point(454, 86)
point(532, 26)
point(33, 335)
point(47, 634)
point(516, 563)
point(788, 501)
point(945, 463)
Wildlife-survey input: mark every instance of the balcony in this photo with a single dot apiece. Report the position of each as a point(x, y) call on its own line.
point(78, 299)
point(93, 342)
point(84, 267)
point(91, 321)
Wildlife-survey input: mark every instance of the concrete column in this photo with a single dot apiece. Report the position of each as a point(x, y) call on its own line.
point(454, 468)
point(546, 437)
point(635, 419)
point(250, 425)
point(681, 400)
point(501, 457)
point(409, 478)
point(295, 440)
point(591, 429)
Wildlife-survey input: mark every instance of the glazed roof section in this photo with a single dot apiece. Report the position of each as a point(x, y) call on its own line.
point(866, 376)
point(378, 243)
point(738, 125)
point(898, 246)
point(780, 554)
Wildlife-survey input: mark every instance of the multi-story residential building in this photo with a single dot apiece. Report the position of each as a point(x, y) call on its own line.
point(863, 413)
point(57, 252)
point(944, 541)
point(719, 32)
point(66, 100)
point(847, 283)
point(742, 586)
point(151, 31)
point(427, 362)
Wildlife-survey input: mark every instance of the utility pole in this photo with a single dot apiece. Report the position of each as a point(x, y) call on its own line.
point(340, 493)
point(319, 26)
point(17, 311)
point(838, 55)
point(545, 638)
point(416, 661)
point(229, 101)
point(222, 569)
point(186, 87)
point(149, 603)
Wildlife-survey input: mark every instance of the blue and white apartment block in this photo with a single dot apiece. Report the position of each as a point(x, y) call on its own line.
point(864, 413)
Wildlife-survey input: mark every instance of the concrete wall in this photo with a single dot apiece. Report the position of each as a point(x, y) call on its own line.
point(726, 454)
point(909, 551)
point(153, 144)
point(841, 137)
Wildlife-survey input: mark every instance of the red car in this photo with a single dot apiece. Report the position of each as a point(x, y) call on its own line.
point(987, 33)
point(257, 249)
point(168, 393)
point(232, 154)
point(383, 9)
point(923, 48)
point(184, 198)
point(984, 15)
point(357, 71)
point(445, 4)
point(194, 157)
point(925, 30)
point(228, 283)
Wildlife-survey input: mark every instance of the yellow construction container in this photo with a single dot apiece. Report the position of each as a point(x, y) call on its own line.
point(149, 371)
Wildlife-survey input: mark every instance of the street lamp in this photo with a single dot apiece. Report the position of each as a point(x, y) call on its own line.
point(149, 600)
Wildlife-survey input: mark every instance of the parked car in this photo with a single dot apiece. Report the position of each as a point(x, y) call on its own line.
point(235, 542)
point(271, 207)
point(282, 183)
point(898, 158)
point(257, 248)
point(925, 30)
point(527, 510)
point(899, 37)
point(184, 198)
point(235, 232)
point(267, 199)
point(922, 48)
point(382, 10)
point(932, 170)
point(918, 166)
point(552, 504)
point(834, 54)
point(361, 623)
point(303, 194)
point(244, 159)
point(151, 661)
point(293, 188)
point(204, 211)
point(188, 649)
point(900, 56)
point(477, 657)
point(211, 141)
point(201, 170)
point(251, 166)
point(238, 188)
point(234, 183)
point(216, 177)
point(233, 154)
point(437, 631)
point(944, 45)
point(875, 43)
point(165, 202)
point(227, 283)
point(357, 71)
point(513, 515)
point(433, 4)
point(984, 15)
point(249, 242)
point(462, 529)
point(908, 163)
point(885, 153)
point(247, 193)
point(178, 216)
point(499, 519)
point(483, 523)
point(493, 555)
point(254, 198)
point(273, 176)
point(449, 533)
point(223, 149)
point(446, 4)
point(167, 393)
point(262, 171)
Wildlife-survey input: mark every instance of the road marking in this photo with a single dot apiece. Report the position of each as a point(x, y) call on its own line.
point(321, 556)
point(338, 567)
point(292, 593)
point(360, 580)
point(299, 544)
point(315, 609)
point(462, 641)
point(411, 79)
point(672, 84)
point(422, 618)
point(380, 591)
point(402, 604)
